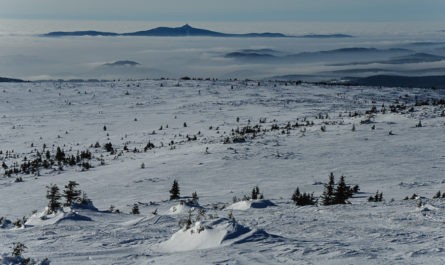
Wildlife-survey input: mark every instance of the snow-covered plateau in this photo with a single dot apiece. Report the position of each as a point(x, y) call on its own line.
point(125, 142)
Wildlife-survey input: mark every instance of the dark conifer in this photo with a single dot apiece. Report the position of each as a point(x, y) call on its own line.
point(109, 147)
point(71, 194)
point(419, 124)
point(149, 146)
point(256, 193)
point(135, 209)
point(174, 191)
point(341, 192)
point(53, 195)
point(328, 193)
point(296, 195)
point(195, 197)
point(60, 155)
point(378, 197)
point(302, 199)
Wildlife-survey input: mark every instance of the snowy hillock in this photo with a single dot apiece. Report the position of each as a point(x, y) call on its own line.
point(183, 207)
point(248, 204)
point(44, 218)
point(210, 234)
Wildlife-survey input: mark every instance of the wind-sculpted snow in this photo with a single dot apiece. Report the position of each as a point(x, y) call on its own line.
point(248, 204)
point(43, 218)
point(209, 234)
point(220, 140)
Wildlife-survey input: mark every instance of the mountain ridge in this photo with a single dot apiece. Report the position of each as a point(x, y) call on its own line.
point(185, 31)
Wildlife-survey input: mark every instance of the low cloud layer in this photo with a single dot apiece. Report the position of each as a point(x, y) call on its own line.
point(28, 56)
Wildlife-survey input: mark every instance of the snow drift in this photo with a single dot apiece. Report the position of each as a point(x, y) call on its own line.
point(210, 234)
point(247, 204)
point(43, 218)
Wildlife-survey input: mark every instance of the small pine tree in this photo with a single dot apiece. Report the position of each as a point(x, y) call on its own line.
point(255, 193)
point(60, 155)
point(378, 197)
point(71, 194)
point(419, 124)
point(328, 193)
point(307, 199)
point(303, 199)
point(109, 148)
point(195, 197)
point(174, 191)
point(438, 195)
point(341, 192)
point(296, 195)
point(53, 195)
point(48, 155)
point(135, 209)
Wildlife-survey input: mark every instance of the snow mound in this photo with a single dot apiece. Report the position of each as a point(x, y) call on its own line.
point(43, 218)
point(182, 207)
point(427, 208)
point(247, 204)
point(207, 234)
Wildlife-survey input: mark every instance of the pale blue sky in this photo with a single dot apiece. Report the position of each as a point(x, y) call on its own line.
point(227, 10)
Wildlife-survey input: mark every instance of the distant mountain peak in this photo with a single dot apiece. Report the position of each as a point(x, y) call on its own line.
point(187, 30)
point(127, 63)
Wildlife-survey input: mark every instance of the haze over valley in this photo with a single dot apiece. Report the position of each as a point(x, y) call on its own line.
point(315, 51)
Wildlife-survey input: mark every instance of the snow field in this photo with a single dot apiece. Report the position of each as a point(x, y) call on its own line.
point(72, 116)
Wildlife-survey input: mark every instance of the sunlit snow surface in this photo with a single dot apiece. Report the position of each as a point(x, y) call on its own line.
point(72, 116)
